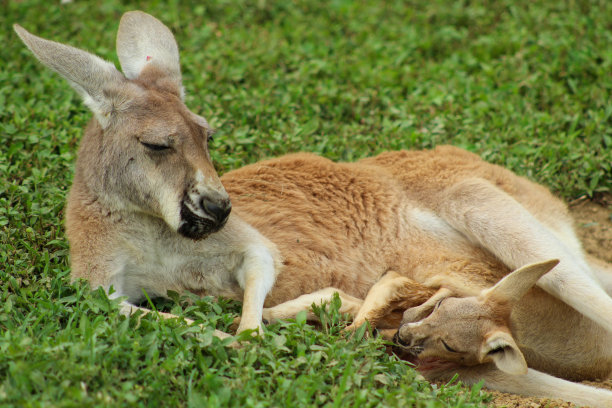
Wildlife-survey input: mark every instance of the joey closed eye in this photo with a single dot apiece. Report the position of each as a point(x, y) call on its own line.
point(448, 348)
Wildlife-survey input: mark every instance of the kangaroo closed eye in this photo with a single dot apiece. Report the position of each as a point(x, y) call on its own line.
point(155, 147)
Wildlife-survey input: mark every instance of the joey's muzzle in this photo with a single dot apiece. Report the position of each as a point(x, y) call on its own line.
point(398, 340)
point(405, 349)
point(408, 340)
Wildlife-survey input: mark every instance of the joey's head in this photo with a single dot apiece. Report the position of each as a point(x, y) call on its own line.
point(471, 330)
point(145, 151)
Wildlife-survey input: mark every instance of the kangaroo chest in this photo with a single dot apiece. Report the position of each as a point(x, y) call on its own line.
point(156, 266)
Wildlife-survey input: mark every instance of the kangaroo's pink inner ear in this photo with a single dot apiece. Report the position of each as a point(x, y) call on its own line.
point(500, 348)
point(143, 40)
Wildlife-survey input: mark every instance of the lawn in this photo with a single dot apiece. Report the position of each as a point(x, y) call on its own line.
point(525, 84)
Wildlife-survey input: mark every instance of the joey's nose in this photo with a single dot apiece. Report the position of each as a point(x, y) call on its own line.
point(219, 210)
point(405, 336)
point(398, 340)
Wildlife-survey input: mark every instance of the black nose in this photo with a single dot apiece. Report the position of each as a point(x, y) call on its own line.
point(398, 340)
point(219, 210)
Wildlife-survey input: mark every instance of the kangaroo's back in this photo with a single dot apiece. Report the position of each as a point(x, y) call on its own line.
point(425, 173)
point(429, 177)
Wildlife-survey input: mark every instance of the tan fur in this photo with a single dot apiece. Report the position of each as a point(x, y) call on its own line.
point(317, 226)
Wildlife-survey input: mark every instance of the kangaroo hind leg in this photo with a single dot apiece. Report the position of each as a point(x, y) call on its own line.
point(603, 272)
point(494, 220)
point(536, 384)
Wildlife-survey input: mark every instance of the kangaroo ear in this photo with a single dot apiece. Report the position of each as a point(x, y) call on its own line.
point(516, 284)
point(91, 76)
point(143, 41)
point(500, 348)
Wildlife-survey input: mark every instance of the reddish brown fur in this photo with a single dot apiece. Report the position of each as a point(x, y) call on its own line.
point(332, 219)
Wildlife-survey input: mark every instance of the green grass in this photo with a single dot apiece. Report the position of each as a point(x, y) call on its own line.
point(525, 84)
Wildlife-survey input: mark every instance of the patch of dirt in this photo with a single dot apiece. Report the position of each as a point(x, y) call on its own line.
point(501, 399)
point(594, 228)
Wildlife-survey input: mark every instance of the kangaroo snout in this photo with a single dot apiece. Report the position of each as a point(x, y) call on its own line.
point(399, 341)
point(408, 341)
point(218, 209)
point(208, 214)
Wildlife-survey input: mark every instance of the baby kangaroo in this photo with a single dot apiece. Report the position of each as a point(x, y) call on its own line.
point(515, 337)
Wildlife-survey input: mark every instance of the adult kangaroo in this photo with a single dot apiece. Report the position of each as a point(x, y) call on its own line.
point(147, 212)
point(441, 231)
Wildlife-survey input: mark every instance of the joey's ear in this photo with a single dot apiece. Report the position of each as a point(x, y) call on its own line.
point(500, 348)
point(516, 284)
point(142, 41)
point(92, 77)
